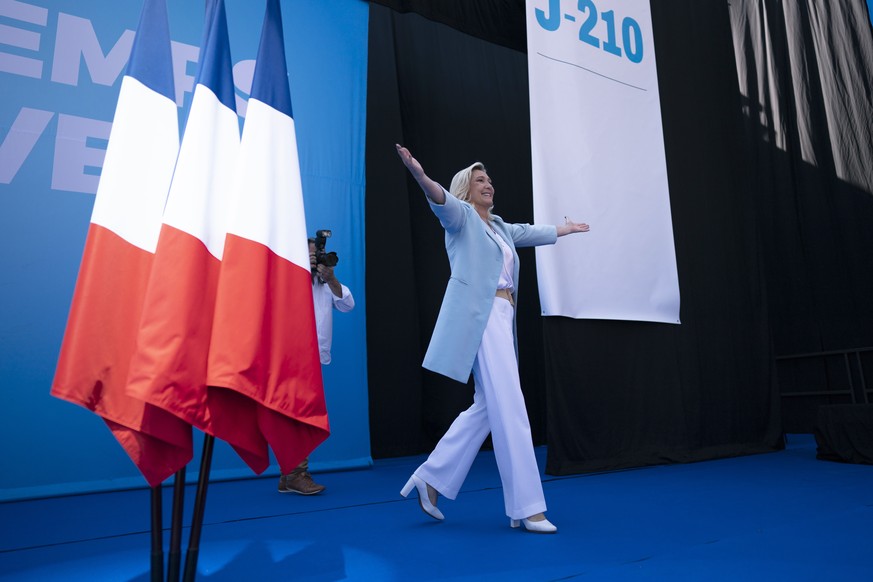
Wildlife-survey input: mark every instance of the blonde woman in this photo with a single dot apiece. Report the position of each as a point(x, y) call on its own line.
point(475, 332)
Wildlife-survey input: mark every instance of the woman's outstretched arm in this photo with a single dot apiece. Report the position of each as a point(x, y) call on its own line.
point(431, 189)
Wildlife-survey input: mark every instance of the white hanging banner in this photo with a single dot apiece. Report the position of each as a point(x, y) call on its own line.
point(598, 157)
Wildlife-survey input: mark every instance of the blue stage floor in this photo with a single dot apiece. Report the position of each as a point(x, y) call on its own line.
point(781, 516)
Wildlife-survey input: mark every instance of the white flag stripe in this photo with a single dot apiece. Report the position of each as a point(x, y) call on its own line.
point(131, 195)
point(203, 180)
point(269, 208)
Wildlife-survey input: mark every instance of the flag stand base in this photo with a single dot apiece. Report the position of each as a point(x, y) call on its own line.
point(175, 553)
point(175, 558)
point(199, 508)
point(157, 563)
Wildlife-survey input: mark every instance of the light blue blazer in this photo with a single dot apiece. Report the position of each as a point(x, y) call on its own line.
point(476, 260)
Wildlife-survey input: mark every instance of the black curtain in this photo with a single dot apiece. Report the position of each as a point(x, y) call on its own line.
point(606, 394)
point(806, 77)
point(497, 21)
point(624, 394)
point(452, 99)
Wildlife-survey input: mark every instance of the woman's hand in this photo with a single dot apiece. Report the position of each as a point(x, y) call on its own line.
point(570, 227)
point(433, 190)
point(411, 163)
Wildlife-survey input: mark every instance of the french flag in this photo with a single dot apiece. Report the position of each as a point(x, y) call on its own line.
point(264, 343)
point(119, 251)
point(168, 369)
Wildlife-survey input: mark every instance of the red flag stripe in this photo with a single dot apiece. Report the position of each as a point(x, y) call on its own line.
point(169, 367)
point(95, 355)
point(263, 346)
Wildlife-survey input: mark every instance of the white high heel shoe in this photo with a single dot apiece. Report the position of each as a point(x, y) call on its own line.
point(542, 526)
point(423, 498)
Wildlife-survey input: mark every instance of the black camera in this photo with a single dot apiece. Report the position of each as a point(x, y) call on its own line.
point(322, 258)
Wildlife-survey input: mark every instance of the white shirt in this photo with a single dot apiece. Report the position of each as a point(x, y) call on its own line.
point(505, 280)
point(324, 302)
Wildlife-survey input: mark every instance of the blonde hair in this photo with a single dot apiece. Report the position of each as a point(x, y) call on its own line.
point(460, 187)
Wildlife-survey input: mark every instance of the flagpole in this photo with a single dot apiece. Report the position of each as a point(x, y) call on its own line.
point(157, 569)
point(199, 507)
point(175, 558)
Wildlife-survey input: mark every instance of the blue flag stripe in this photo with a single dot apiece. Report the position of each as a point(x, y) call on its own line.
point(270, 82)
point(216, 70)
point(151, 60)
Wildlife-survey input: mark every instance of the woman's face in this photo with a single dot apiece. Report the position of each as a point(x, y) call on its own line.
point(481, 190)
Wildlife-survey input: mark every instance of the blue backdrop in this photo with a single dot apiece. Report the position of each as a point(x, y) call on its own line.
point(61, 64)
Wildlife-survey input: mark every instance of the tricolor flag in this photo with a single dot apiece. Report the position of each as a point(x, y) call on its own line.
point(169, 367)
point(264, 343)
point(119, 250)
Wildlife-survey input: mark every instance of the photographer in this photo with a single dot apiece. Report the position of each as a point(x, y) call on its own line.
point(327, 294)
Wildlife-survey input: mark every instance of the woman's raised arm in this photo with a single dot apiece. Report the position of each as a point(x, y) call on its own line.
point(431, 189)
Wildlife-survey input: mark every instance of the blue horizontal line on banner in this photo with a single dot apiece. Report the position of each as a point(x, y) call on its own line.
point(592, 71)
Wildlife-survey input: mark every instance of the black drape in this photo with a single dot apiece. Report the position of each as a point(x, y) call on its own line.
point(497, 21)
point(625, 394)
point(619, 394)
point(452, 99)
point(806, 78)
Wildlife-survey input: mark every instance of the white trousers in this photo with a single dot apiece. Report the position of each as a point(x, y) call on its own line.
point(498, 407)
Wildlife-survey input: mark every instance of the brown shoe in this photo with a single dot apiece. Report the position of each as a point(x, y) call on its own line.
point(299, 482)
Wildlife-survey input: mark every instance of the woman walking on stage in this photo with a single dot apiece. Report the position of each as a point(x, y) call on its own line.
point(475, 331)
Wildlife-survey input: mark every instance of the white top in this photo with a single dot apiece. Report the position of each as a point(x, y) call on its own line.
point(505, 280)
point(325, 302)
